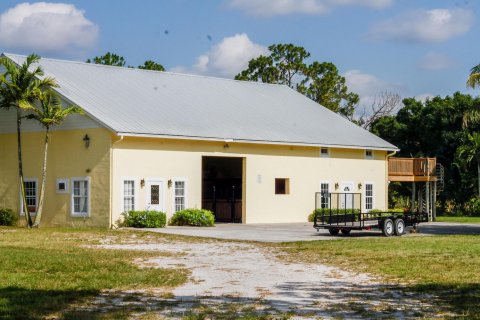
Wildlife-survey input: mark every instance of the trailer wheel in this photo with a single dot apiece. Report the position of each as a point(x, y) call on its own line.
point(345, 232)
point(334, 231)
point(388, 228)
point(399, 227)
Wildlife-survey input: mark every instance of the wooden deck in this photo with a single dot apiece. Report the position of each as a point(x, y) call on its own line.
point(412, 169)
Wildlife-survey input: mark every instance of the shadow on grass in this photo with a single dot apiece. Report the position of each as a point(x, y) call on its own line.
point(462, 300)
point(21, 303)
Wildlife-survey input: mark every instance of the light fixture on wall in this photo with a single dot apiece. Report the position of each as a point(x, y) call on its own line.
point(169, 183)
point(86, 139)
point(359, 186)
point(142, 183)
point(336, 185)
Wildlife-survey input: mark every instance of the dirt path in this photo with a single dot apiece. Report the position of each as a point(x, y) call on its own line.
point(253, 278)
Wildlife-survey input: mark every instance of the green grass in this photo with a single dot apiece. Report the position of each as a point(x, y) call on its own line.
point(447, 266)
point(458, 219)
point(44, 272)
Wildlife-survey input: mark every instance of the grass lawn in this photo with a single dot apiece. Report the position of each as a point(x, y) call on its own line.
point(458, 219)
point(44, 272)
point(448, 266)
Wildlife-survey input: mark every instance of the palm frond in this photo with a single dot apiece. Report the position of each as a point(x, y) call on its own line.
point(474, 78)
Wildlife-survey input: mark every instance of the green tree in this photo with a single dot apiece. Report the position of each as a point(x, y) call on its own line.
point(474, 77)
point(435, 128)
point(20, 86)
point(470, 152)
point(320, 81)
point(109, 59)
point(49, 113)
point(151, 65)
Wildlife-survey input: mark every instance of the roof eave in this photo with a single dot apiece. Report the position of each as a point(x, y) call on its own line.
point(231, 140)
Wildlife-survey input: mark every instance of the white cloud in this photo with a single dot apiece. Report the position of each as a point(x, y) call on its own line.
point(227, 58)
point(436, 61)
point(284, 7)
point(367, 86)
point(46, 27)
point(424, 26)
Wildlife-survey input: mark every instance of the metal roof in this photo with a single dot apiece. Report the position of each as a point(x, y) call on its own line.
point(151, 103)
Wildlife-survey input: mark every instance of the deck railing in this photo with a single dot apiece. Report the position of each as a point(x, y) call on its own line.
point(411, 166)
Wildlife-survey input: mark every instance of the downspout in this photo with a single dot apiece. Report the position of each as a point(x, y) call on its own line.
point(111, 178)
point(386, 175)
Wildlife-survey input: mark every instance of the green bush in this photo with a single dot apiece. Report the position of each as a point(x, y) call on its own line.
point(144, 219)
point(193, 217)
point(7, 217)
point(472, 207)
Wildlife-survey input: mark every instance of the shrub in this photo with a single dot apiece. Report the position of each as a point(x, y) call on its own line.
point(144, 219)
point(193, 217)
point(7, 217)
point(472, 207)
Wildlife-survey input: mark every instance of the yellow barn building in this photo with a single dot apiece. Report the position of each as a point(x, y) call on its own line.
point(251, 152)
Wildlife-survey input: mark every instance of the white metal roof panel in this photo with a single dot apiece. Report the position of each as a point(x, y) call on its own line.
point(152, 103)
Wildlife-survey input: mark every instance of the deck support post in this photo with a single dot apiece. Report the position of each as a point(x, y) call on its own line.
point(412, 204)
point(434, 200)
point(427, 196)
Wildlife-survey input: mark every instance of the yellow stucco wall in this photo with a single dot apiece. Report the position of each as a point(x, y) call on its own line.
point(67, 158)
point(144, 158)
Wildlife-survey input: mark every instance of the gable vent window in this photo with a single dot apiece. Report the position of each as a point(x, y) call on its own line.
point(324, 152)
point(368, 154)
point(282, 186)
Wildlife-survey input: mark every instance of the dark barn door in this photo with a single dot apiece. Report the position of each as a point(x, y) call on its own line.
point(222, 187)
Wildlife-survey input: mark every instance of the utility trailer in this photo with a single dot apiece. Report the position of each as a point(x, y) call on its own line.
point(342, 212)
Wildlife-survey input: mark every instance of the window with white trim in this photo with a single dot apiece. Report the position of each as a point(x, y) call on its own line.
point(324, 193)
point(324, 152)
point(128, 203)
point(368, 154)
point(179, 195)
point(80, 196)
point(31, 195)
point(368, 196)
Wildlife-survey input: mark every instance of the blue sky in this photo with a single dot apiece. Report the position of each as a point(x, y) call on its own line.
point(411, 47)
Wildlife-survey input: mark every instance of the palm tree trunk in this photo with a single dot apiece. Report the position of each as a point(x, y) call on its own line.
point(38, 217)
point(20, 170)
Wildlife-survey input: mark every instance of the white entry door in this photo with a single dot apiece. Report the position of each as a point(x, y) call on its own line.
point(346, 200)
point(154, 195)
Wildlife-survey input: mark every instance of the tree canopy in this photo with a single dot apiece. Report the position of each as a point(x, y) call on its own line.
point(151, 65)
point(109, 59)
point(435, 128)
point(320, 81)
point(112, 59)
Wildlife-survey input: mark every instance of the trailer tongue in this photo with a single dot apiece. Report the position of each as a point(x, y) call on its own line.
point(342, 212)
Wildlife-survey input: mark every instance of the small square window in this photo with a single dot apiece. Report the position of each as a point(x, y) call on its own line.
point(369, 154)
point(282, 186)
point(324, 152)
point(62, 185)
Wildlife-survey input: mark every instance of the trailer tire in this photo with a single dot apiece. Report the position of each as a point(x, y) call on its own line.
point(345, 232)
point(399, 227)
point(388, 228)
point(334, 231)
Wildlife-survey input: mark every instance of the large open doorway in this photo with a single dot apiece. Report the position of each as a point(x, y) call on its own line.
point(222, 182)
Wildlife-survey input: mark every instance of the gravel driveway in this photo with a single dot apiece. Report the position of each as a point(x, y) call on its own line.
point(253, 277)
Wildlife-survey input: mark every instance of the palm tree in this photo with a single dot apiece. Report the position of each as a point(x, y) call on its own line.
point(20, 86)
point(474, 78)
point(49, 113)
point(471, 151)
